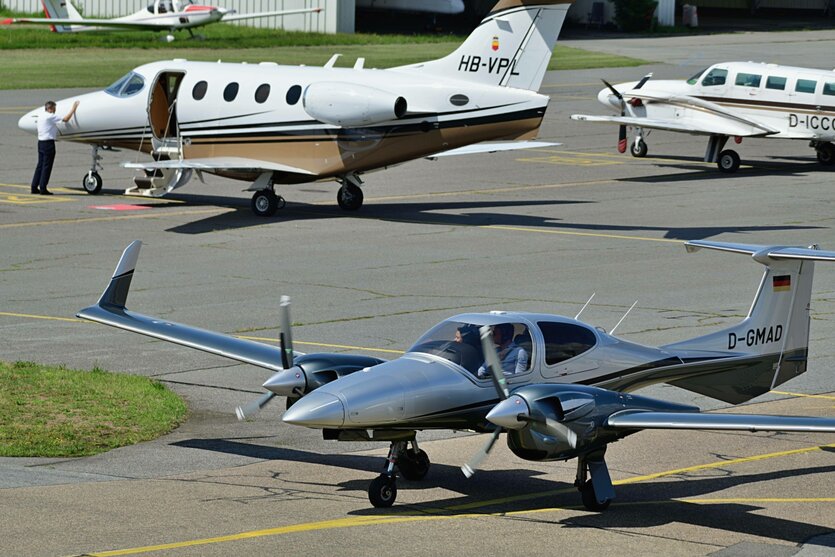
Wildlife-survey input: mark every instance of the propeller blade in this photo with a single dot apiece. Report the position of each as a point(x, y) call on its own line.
point(492, 359)
point(560, 431)
point(643, 80)
point(286, 335)
point(622, 138)
point(614, 91)
point(244, 412)
point(470, 468)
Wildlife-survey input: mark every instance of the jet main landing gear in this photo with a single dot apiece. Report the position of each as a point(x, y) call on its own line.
point(412, 463)
point(349, 197)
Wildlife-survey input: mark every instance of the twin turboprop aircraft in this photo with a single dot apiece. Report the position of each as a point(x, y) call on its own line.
point(160, 15)
point(730, 99)
point(269, 124)
point(569, 398)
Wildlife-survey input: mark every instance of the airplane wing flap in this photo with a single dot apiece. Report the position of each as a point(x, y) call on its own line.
point(219, 163)
point(636, 419)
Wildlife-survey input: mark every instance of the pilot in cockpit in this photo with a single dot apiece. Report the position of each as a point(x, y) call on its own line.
point(513, 357)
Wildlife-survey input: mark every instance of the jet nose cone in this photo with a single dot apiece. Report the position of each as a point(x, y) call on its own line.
point(288, 382)
point(316, 410)
point(29, 122)
point(505, 413)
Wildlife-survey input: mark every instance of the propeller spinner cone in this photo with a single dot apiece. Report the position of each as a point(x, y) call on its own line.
point(505, 414)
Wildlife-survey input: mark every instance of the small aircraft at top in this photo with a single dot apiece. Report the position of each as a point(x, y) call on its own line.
point(560, 388)
point(268, 124)
point(160, 15)
point(729, 99)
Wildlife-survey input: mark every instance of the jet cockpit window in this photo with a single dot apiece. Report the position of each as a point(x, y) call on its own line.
point(775, 82)
point(563, 341)
point(695, 79)
point(127, 85)
point(829, 88)
point(715, 77)
point(805, 85)
point(748, 79)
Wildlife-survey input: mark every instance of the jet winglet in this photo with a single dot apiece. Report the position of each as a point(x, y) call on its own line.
point(116, 293)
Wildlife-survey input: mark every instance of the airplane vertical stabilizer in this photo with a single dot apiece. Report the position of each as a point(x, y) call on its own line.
point(511, 47)
point(777, 324)
point(60, 9)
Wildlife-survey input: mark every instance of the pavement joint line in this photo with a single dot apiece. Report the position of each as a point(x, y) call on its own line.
point(154, 215)
point(429, 514)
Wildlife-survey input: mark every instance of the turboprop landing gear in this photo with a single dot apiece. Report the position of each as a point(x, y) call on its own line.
point(825, 151)
point(349, 197)
point(413, 464)
point(91, 182)
point(728, 160)
point(265, 203)
point(597, 493)
point(639, 147)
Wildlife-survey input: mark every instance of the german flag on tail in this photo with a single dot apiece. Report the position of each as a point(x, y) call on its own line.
point(782, 283)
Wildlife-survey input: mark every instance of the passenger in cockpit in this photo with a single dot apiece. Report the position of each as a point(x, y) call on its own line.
point(514, 358)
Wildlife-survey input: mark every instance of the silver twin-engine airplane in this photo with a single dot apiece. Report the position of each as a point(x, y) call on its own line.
point(730, 99)
point(160, 15)
point(566, 390)
point(269, 124)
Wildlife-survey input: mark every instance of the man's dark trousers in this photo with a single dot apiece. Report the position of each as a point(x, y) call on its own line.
point(46, 156)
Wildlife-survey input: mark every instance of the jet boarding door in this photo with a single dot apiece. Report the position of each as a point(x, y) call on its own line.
point(162, 109)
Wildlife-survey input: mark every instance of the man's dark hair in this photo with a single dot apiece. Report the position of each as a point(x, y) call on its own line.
point(49, 104)
point(506, 330)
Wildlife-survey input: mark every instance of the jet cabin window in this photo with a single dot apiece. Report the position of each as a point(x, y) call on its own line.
point(775, 82)
point(230, 92)
point(199, 90)
point(748, 79)
point(805, 85)
point(715, 77)
point(262, 93)
point(127, 86)
point(563, 341)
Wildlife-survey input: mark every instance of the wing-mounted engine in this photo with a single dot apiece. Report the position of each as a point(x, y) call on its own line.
point(558, 422)
point(350, 105)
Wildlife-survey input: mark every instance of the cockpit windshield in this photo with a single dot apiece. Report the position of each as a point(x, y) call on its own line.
point(126, 86)
point(460, 343)
point(695, 79)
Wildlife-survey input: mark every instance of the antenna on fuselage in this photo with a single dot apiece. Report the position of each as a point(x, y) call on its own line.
point(624, 317)
point(576, 317)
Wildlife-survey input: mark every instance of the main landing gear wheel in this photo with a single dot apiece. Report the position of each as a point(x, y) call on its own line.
point(265, 203)
point(349, 197)
point(728, 161)
point(826, 154)
point(383, 491)
point(414, 465)
point(91, 183)
point(639, 149)
point(590, 498)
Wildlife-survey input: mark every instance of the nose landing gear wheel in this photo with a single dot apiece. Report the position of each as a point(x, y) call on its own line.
point(91, 183)
point(728, 161)
point(826, 154)
point(265, 203)
point(349, 197)
point(383, 491)
point(590, 498)
point(639, 149)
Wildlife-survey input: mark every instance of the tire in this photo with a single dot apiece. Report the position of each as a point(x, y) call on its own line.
point(590, 499)
point(413, 465)
point(349, 197)
point(91, 183)
point(382, 492)
point(728, 161)
point(639, 149)
point(264, 203)
point(826, 154)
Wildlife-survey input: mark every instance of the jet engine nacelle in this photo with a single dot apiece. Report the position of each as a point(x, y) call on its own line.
point(351, 105)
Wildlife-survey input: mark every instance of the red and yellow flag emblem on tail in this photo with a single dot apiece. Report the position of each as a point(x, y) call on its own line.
point(782, 283)
point(495, 43)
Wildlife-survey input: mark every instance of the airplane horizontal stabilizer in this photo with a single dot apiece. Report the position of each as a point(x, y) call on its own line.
point(722, 127)
point(773, 252)
point(493, 148)
point(110, 310)
point(632, 419)
point(219, 163)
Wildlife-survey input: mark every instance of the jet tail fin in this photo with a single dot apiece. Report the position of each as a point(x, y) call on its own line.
point(511, 47)
point(771, 343)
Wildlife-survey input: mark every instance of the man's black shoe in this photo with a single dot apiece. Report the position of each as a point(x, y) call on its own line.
point(46, 192)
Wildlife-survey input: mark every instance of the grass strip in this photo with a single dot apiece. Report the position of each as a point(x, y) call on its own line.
point(51, 411)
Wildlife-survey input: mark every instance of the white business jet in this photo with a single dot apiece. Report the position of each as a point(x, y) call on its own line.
point(160, 15)
point(269, 124)
point(730, 99)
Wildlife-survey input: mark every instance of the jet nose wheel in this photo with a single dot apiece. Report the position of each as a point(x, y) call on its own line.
point(383, 491)
point(349, 197)
point(728, 161)
point(265, 203)
point(91, 183)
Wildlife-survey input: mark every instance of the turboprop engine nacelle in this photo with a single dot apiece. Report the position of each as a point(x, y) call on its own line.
point(350, 105)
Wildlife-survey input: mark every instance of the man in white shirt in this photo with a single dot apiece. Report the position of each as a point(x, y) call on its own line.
point(47, 133)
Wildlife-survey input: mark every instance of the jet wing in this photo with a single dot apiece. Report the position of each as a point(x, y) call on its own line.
point(493, 148)
point(238, 17)
point(219, 163)
point(636, 419)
